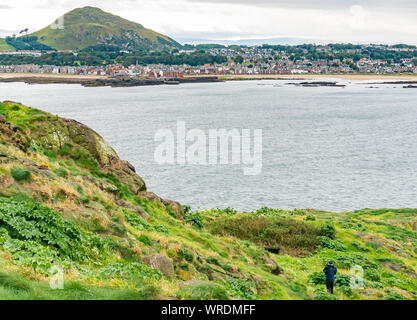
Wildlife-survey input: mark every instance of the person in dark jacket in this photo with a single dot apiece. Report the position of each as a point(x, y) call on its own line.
point(330, 270)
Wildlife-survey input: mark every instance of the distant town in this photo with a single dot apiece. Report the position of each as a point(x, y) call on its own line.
point(228, 60)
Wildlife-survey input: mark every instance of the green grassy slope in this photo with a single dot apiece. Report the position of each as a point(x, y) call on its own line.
point(89, 26)
point(70, 202)
point(4, 46)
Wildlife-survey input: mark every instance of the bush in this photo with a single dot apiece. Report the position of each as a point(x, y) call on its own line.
point(21, 174)
point(359, 246)
point(294, 237)
point(310, 218)
point(329, 231)
point(336, 245)
point(195, 218)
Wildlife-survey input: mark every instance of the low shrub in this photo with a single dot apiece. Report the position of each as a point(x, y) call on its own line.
point(294, 237)
point(359, 246)
point(21, 174)
point(185, 255)
point(392, 295)
point(195, 219)
point(145, 240)
point(336, 245)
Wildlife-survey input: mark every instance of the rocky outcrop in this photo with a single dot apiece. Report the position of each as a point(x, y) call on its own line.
point(272, 265)
point(55, 134)
point(74, 139)
point(175, 207)
point(9, 132)
point(161, 262)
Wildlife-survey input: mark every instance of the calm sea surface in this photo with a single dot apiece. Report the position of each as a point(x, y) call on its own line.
point(325, 148)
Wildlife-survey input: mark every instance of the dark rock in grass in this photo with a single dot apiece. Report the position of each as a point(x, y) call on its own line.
point(141, 212)
point(176, 207)
point(161, 262)
point(261, 286)
point(393, 266)
point(28, 161)
point(272, 265)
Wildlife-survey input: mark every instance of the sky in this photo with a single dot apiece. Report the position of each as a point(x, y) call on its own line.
point(316, 21)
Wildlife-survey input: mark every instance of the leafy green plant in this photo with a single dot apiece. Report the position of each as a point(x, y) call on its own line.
point(195, 218)
point(319, 278)
point(145, 240)
point(39, 236)
point(359, 246)
point(242, 289)
point(129, 270)
point(135, 221)
point(372, 275)
point(336, 245)
point(392, 295)
point(328, 230)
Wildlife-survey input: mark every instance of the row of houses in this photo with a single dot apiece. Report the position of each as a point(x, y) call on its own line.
point(282, 66)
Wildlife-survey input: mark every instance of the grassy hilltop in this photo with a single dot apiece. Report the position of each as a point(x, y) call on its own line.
point(67, 200)
point(91, 27)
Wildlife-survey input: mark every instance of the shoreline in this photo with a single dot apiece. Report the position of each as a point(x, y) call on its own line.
point(102, 81)
point(353, 77)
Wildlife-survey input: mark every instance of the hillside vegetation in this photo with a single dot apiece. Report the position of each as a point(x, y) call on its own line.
point(89, 26)
point(4, 46)
point(68, 201)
